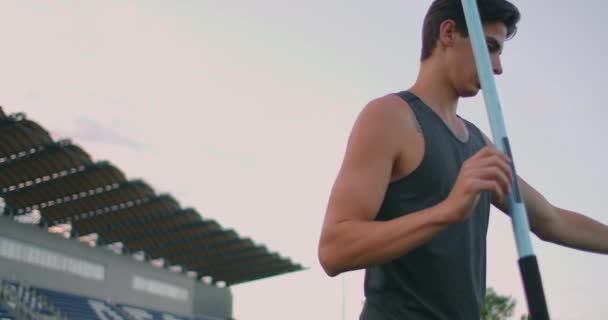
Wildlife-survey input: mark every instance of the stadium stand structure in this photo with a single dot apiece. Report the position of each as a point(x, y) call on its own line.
point(40, 303)
point(58, 187)
point(5, 314)
point(28, 303)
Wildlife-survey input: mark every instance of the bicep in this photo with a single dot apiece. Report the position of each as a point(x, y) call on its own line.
point(365, 173)
point(359, 188)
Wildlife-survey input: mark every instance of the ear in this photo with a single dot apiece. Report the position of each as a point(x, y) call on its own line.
point(447, 33)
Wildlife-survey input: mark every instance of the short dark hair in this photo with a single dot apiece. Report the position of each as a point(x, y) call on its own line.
point(490, 11)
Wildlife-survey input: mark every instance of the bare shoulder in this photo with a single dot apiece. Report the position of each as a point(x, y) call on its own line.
point(389, 113)
point(373, 148)
point(387, 128)
point(389, 106)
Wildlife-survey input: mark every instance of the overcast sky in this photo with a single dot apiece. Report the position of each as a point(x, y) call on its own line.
point(241, 109)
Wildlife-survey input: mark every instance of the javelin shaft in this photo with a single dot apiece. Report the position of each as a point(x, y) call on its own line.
point(527, 260)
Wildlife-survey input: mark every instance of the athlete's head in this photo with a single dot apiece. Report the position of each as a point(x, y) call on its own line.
point(445, 39)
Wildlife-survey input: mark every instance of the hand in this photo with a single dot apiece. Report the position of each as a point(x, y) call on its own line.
point(487, 170)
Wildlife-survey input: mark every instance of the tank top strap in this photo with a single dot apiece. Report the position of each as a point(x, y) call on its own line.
point(420, 109)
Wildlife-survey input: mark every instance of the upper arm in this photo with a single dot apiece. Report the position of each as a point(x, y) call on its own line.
point(365, 173)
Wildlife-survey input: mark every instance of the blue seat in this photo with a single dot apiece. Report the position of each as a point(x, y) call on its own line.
point(139, 313)
point(80, 307)
point(5, 314)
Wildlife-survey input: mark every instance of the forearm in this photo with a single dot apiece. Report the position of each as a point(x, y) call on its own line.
point(577, 231)
point(356, 244)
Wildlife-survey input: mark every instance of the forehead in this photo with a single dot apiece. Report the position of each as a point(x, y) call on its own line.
point(496, 30)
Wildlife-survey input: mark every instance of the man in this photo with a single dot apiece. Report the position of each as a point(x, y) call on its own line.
point(410, 204)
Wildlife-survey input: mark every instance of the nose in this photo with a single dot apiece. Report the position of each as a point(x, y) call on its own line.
point(496, 64)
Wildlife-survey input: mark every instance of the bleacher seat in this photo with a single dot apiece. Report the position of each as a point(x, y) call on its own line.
point(79, 307)
point(31, 300)
point(5, 314)
point(207, 318)
point(138, 313)
point(27, 297)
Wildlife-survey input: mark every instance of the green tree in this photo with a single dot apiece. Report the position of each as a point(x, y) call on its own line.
point(497, 307)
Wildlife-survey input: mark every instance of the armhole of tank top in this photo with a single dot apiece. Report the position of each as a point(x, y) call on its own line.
point(417, 122)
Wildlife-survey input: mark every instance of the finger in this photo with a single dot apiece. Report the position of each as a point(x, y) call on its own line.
point(495, 162)
point(489, 152)
point(491, 186)
point(483, 152)
point(495, 175)
point(495, 151)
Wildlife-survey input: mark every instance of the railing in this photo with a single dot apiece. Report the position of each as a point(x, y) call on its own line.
point(27, 304)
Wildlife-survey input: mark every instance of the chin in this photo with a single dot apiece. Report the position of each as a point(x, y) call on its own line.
point(469, 92)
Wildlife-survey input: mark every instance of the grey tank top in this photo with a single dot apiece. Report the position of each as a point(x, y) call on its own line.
point(445, 278)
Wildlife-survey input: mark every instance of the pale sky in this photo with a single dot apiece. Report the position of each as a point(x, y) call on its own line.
point(241, 109)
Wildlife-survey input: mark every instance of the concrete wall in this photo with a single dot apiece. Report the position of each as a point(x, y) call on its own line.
point(119, 273)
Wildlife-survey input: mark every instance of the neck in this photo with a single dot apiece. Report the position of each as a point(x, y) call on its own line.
point(432, 86)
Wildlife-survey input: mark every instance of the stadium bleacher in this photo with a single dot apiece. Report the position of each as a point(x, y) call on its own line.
point(5, 314)
point(138, 313)
point(76, 307)
point(26, 302)
point(64, 185)
point(55, 186)
point(79, 307)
